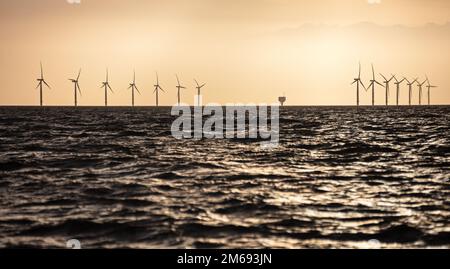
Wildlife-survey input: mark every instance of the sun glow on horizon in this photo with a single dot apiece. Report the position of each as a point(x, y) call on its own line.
point(243, 56)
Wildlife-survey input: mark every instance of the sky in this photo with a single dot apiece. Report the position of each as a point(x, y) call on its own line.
point(246, 51)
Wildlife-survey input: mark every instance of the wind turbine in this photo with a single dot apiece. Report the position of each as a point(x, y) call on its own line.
point(429, 86)
point(199, 88)
point(77, 87)
point(106, 85)
point(410, 83)
point(179, 87)
point(133, 87)
point(358, 81)
point(397, 83)
point(372, 84)
point(386, 82)
point(157, 88)
point(420, 90)
point(40, 84)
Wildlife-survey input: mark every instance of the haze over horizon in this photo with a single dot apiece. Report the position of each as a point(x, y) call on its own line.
point(246, 51)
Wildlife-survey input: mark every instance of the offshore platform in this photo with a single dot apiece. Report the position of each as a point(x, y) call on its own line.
point(282, 100)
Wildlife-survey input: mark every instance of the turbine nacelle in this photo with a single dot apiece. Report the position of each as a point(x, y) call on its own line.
point(41, 80)
point(410, 83)
point(157, 86)
point(199, 87)
point(179, 85)
point(387, 80)
point(421, 84)
point(397, 82)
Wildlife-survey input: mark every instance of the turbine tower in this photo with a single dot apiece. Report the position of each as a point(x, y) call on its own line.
point(157, 88)
point(386, 82)
point(358, 81)
point(77, 87)
point(397, 84)
point(420, 91)
point(410, 83)
point(179, 87)
point(41, 84)
point(199, 89)
point(429, 86)
point(372, 84)
point(133, 87)
point(106, 86)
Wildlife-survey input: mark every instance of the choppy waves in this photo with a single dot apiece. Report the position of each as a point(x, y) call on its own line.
point(116, 178)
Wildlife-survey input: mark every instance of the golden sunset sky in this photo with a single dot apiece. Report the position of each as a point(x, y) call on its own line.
point(246, 51)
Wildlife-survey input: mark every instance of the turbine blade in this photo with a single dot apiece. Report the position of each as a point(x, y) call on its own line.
point(47, 84)
point(359, 74)
point(360, 81)
point(137, 89)
point(196, 83)
point(39, 84)
point(383, 77)
point(110, 88)
point(394, 77)
point(107, 74)
point(42, 72)
point(203, 85)
point(79, 73)
point(373, 72)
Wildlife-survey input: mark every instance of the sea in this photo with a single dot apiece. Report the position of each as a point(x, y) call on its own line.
point(340, 177)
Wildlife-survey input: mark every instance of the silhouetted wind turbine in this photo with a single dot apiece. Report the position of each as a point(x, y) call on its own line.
point(133, 87)
point(40, 84)
point(77, 87)
point(429, 86)
point(199, 88)
point(179, 87)
point(420, 90)
point(157, 88)
point(358, 81)
point(106, 86)
point(397, 83)
point(386, 82)
point(410, 88)
point(372, 84)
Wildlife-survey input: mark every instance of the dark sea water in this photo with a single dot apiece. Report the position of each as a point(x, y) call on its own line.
point(340, 178)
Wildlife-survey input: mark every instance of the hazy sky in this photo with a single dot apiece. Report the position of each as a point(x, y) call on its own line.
point(247, 51)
